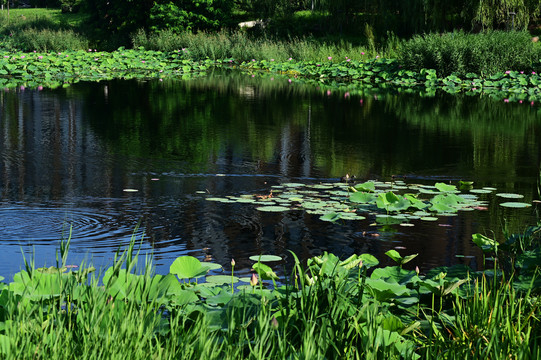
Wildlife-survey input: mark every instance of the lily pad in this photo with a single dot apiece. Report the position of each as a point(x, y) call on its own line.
point(293, 185)
point(265, 258)
point(222, 279)
point(510, 196)
point(216, 199)
point(516, 205)
point(332, 217)
point(273, 208)
point(481, 191)
point(429, 218)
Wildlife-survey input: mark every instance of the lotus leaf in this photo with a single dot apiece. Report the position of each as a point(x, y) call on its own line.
point(265, 272)
point(516, 205)
point(265, 258)
point(188, 267)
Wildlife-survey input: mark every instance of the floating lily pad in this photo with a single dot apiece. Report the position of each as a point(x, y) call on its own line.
point(293, 185)
point(322, 186)
point(429, 218)
point(200, 192)
point(407, 224)
point(246, 201)
point(489, 188)
point(222, 279)
point(265, 258)
point(217, 199)
point(332, 217)
point(516, 205)
point(510, 196)
point(351, 216)
point(273, 208)
point(130, 190)
point(428, 191)
point(481, 191)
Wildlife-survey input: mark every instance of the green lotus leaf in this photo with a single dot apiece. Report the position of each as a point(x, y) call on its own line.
point(273, 208)
point(510, 196)
point(188, 267)
point(516, 205)
point(445, 187)
point(480, 191)
point(368, 186)
point(362, 197)
point(265, 272)
point(222, 279)
point(332, 217)
point(265, 258)
point(293, 185)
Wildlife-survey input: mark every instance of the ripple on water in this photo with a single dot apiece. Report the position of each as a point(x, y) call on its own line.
point(43, 224)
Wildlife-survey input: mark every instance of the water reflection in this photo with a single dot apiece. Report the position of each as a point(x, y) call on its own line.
point(68, 155)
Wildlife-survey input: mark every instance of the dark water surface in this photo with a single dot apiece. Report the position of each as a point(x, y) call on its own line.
point(67, 156)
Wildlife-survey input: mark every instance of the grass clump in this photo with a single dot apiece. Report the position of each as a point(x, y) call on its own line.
point(46, 40)
point(241, 46)
point(461, 53)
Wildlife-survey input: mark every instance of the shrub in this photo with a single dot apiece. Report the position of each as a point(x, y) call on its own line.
point(485, 53)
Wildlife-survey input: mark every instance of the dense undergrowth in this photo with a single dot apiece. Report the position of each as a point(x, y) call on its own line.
point(326, 308)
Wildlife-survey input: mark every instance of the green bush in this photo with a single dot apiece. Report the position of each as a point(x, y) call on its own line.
point(485, 53)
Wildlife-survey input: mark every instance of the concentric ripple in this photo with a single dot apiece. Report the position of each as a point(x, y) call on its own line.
point(42, 224)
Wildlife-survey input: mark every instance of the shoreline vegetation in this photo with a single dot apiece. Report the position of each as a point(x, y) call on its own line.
point(326, 308)
point(503, 65)
point(39, 70)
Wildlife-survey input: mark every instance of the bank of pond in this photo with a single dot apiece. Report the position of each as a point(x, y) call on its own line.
point(19, 70)
point(325, 308)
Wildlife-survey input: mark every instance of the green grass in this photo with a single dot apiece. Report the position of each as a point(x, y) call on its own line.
point(326, 309)
point(41, 30)
point(243, 47)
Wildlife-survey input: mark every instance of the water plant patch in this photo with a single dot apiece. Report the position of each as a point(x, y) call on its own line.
point(392, 202)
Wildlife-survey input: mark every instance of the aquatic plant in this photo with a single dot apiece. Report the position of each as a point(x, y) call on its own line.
point(393, 202)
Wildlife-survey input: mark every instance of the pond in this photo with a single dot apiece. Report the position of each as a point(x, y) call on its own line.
point(116, 159)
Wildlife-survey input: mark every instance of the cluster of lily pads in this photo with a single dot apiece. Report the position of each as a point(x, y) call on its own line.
point(50, 70)
point(512, 86)
point(389, 202)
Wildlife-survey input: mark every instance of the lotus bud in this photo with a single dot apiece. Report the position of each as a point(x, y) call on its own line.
point(254, 280)
point(233, 262)
point(361, 264)
point(417, 270)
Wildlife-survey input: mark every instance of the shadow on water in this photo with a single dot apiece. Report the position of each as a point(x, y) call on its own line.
point(67, 156)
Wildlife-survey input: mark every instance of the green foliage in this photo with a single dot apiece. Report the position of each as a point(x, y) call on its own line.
point(460, 53)
point(183, 15)
point(330, 308)
point(46, 40)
